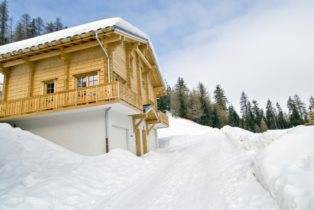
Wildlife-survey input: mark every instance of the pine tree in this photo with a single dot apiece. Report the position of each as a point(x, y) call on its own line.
point(215, 119)
point(58, 24)
point(301, 108)
point(54, 26)
point(311, 107)
point(270, 116)
point(281, 120)
point(194, 111)
point(257, 113)
point(263, 126)
point(221, 105)
point(163, 102)
point(243, 104)
point(38, 26)
point(50, 27)
point(19, 32)
point(295, 117)
point(250, 122)
point(181, 98)
point(4, 18)
point(206, 118)
point(23, 28)
point(220, 98)
point(247, 114)
point(234, 119)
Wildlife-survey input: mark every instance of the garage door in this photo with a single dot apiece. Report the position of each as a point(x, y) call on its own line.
point(119, 138)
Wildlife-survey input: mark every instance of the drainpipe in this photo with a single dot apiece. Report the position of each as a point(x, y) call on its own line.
point(106, 128)
point(107, 56)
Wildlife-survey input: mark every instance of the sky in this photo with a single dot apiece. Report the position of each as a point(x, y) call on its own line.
point(262, 47)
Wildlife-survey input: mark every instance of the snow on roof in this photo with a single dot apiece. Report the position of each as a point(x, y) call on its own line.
point(88, 27)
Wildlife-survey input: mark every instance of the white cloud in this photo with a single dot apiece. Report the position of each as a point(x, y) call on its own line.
point(267, 52)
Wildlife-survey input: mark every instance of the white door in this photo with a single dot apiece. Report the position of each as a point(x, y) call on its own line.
point(152, 140)
point(119, 138)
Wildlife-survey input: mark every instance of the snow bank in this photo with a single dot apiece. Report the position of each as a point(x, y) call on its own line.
point(286, 169)
point(183, 133)
point(37, 174)
point(252, 141)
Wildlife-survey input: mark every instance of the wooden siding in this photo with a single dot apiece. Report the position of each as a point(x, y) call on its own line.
point(87, 61)
point(119, 62)
point(26, 79)
point(48, 69)
point(18, 82)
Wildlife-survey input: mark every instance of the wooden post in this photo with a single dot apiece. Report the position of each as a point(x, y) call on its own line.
point(66, 67)
point(139, 78)
point(138, 142)
point(6, 77)
point(128, 66)
point(144, 137)
point(31, 70)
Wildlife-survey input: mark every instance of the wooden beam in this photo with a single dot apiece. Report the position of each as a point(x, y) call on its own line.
point(31, 70)
point(143, 58)
point(13, 63)
point(66, 68)
point(144, 138)
point(138, 142)
point(129, 48)
point(139, 78)
point(56, 52)
point(6, 77)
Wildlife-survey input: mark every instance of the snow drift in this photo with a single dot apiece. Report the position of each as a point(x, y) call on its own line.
point(38, 174)
point(286, 169)
point(198, 167)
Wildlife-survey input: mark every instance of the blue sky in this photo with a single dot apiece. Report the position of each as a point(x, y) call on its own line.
point(167, 22)
point(264, 47)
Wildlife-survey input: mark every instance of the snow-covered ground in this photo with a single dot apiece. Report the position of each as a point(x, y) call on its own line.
point(197, 168)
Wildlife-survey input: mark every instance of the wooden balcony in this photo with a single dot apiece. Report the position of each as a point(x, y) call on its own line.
point(311, 121)
point(95, 95)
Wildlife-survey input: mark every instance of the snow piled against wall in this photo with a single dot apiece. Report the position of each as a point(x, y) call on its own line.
point(38, 174)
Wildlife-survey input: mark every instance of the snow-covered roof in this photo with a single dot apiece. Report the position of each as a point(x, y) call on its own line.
point(76, 30)
point(117, 23)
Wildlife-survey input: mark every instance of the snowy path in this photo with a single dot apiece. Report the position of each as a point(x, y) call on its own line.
point(198, 168)
point(206, 174)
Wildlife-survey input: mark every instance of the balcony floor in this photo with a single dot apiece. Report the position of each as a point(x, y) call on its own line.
point(120, 107)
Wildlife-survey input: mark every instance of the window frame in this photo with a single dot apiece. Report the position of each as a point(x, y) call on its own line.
point(87, 76)
point(49, 82)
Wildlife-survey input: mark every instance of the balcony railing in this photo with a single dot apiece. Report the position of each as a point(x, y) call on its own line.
point(105, 93)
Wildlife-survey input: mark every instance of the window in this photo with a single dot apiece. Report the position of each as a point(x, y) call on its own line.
point(50, 87)
point(87, 80)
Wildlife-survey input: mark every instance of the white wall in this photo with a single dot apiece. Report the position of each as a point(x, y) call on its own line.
point(152, 140)
point(81, 132)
